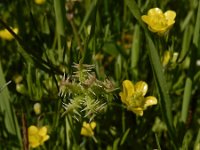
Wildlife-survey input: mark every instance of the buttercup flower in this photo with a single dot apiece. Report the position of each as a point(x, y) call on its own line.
point(87, 129)
point(158, 21)
point(37, 136)
point(133, 97)
point(6, 35)
point(40, 2)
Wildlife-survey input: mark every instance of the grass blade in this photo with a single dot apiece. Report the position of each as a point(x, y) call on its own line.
point(5, 106)
point(189, 85)
point(157, 142)
point(59, 14)
point(197, 28)
point(186, 99)
point(125, 136)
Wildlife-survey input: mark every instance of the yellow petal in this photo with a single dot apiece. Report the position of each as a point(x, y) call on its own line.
point(150, 100)
point(45, 138)
point(128, 91)
point(32, 130)
point(86, 130)
point(93, 124)
point(5, 34)
point(128, 88)
point(154, 11)
point(138, 111)
point(159, 29)
point(146, 19)
point(42, 131)
point(123, 97)
point(16, 30)
point(34, 141)
point(170, 15)
point(141, 87)
point(166, 58)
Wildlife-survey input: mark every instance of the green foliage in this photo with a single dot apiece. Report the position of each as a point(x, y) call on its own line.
point(71, 56)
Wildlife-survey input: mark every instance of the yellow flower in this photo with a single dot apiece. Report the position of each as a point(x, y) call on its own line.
point(40, 2)
point(6, 35)
point(37, 136)
point(87, 128)
point(158, 21)
point(133, 97)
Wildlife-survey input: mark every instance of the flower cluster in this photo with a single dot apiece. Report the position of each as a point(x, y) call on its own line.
point(158, 21)
point(6, 35)
point(87, 129)
point(133, 97)
point(37, 136)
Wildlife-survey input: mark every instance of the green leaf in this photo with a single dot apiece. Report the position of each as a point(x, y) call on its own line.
point(189, 84)
point(111, 48)
point(187, 139)
point(125, 136)
point(115, 144)
point(135, 46)
point(132, 5)
point(197, 142)
point(186, 99)
point(5, 106)
point(59, 6)
point(185, 49)
point(157, 142)
point(197, 28)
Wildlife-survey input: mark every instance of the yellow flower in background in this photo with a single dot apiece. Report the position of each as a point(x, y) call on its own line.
point(40, 2)
point(133, 96)
point(87, 129)
point(158, 21)
point(37, 108)
point(6, 35)
point(37, 136)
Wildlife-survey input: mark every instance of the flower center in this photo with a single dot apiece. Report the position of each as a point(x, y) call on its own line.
point(159, 21)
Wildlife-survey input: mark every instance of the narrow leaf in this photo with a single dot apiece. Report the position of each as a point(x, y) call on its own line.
point(125, 136)
point(197, 28)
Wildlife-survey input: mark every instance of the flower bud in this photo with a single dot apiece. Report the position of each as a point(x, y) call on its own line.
point(37, 108)
point(21, 88)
